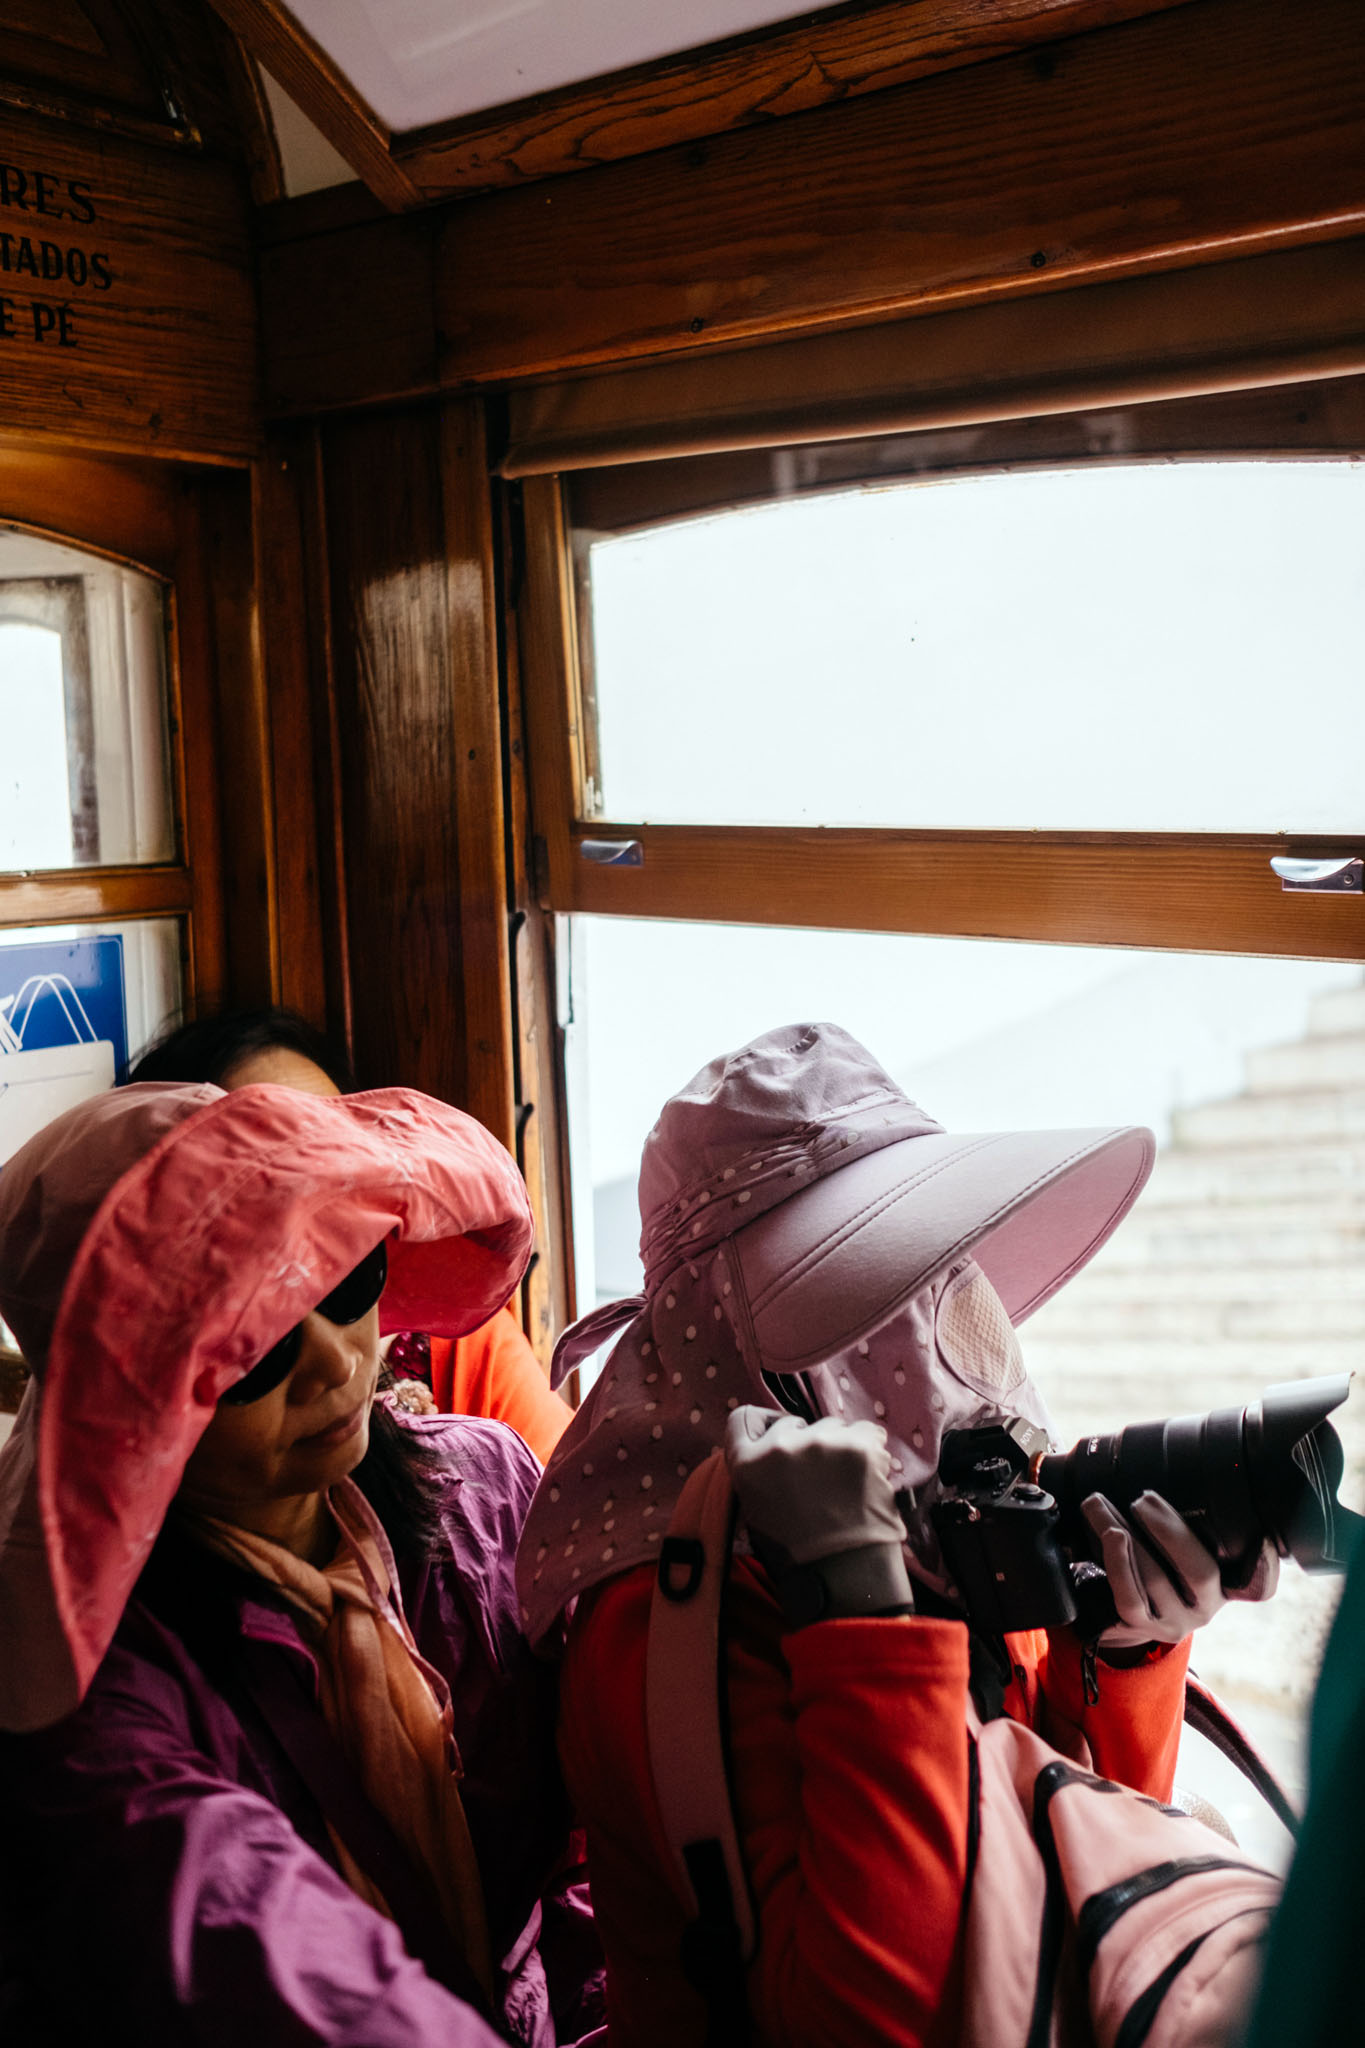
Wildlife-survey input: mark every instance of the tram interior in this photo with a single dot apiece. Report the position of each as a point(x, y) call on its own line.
point(552, 540)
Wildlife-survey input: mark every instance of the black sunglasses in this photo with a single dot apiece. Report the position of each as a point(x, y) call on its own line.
point(348, 1301)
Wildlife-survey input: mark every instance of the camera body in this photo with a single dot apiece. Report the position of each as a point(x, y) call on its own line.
point(1019, 1550)
point(999, 1531)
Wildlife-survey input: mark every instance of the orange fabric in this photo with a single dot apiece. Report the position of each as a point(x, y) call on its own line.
point(849, 1751)
point(494, 1372)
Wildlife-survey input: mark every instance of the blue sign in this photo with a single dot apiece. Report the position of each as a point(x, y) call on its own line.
point(67, 992)
point(63, 1030)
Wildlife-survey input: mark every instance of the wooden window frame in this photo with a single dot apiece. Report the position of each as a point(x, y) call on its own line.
point(151, 517)
point(1195, 892)
point(145, 517)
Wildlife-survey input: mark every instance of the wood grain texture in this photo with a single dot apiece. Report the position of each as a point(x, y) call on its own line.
point(243, 750)
point(548, 656)
point(548, 1294)
point(199, 792)
point(477, 791)
point(742, 82)
point(394, 697)
point(1250, 322)
point(74, 896)
point(292, 602)
point(128, 510)
point(349, 314)
point(255, 123)
point(151, 515)
point(163, 357)
point(275, 39)
point(1209, 894)
point(1213, 130)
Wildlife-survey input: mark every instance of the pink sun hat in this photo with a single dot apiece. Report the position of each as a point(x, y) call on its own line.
point(154, 1243)
point(801, 1214)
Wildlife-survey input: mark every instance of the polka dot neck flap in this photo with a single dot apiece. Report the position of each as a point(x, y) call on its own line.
point(801, 1216)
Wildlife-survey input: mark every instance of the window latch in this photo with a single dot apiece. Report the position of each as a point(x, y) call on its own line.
point(612, 853)
point(1322, 877)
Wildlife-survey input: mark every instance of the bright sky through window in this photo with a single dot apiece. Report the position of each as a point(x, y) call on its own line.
point(35, 802)
point(1161, 647)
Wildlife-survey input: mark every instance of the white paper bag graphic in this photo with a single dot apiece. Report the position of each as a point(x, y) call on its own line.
point(39, 1082)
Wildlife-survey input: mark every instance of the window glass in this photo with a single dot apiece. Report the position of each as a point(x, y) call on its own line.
point(1150, 647)
point(1239, 1266)
point(85, 778)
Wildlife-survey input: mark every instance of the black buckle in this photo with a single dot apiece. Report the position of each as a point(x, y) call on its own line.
point(685, 1554)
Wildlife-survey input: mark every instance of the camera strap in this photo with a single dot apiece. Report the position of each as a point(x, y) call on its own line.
point(1206, 1714)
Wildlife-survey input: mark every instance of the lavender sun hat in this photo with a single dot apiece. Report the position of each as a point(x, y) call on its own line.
point(800, 1215)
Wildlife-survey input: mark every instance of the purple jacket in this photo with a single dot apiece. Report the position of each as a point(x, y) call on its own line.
point(166, 1874)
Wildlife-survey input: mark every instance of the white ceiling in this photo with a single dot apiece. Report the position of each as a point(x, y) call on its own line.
point(418, 61)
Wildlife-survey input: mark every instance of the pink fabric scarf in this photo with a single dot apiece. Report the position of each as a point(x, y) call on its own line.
point(388, 1709)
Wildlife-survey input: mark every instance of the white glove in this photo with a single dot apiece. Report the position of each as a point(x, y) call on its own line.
point(821, 1512)
point(1165, 1582)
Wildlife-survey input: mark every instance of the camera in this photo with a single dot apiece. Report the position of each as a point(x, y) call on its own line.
point(1022, 1555)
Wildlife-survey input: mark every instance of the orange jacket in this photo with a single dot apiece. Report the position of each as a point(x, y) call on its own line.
point(494, 1372)
point(850, 1773)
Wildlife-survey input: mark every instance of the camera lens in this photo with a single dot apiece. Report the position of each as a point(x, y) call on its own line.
point(1237, 1475)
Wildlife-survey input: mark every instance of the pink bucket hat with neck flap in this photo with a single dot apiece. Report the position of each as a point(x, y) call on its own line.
point(802, 1217)
point(154, 1243)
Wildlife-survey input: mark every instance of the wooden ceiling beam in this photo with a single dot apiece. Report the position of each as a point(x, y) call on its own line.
point(271, 35)
point(1219, 131)
point(841, 53)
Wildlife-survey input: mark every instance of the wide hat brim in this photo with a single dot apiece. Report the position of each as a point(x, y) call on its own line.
point(230, 1228)
point(831, 1264)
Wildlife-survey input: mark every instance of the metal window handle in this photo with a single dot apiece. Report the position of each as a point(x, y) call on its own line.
point(1322, 877)
point(612, 853)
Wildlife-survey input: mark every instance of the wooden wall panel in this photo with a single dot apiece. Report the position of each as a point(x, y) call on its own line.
point(243, 754)
point(393, 680)
point(1200, 134)
point(548, 1294)
point(477, 793)
point(352, 311)
point(385, 748)
point(1218, 128)
point(291, 573)
point(127, 308)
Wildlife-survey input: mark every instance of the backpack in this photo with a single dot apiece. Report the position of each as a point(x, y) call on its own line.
point(1090, 1912)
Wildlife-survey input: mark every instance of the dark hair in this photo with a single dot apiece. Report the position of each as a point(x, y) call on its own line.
point(208, 1048)
point(398, 1476)
point(398, 1472)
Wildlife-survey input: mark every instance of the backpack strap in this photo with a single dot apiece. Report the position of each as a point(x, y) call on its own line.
point(686, 1713)
point(1206, 1714)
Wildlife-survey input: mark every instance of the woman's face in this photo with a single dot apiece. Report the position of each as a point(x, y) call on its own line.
point(301, 1437)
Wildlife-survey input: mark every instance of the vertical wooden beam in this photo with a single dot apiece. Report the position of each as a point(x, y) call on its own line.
point(297, 684)
point(548, 1300)
point(477, 793)
point(392, 663)
point(244, 764)
point(197, 785)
